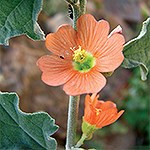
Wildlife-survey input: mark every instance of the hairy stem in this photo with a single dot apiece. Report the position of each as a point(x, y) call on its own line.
point(82, 6)
point(72, 1)
point(79, 8)
point(72, 121)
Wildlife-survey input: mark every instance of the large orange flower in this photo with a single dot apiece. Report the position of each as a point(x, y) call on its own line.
point(99, 113)
point(79, 57)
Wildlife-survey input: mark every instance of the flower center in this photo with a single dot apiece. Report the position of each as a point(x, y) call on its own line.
point(83, 61)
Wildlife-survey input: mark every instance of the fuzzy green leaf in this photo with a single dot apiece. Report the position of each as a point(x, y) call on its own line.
point(137, 51)
point(25, 131)
point(19, 17)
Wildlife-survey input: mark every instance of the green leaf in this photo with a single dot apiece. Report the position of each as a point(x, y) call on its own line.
point(137, 51)
point(19, 17)
point(25, 131)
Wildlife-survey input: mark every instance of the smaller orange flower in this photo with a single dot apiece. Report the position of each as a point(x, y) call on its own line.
point(100, 113)
point(97, 114)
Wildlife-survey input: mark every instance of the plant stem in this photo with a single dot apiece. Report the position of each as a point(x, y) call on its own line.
point(80, 142)
point(79, 8)
point(76, 14)
point(72, 121)
point(82, 6)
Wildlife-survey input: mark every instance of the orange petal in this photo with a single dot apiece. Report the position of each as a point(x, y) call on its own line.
point(105, 105)
point(95, 101)
point(60, 42)
point(94, 97)
point(92, 34)
point(89, 113)
point(56, 71)
point(104, 117)
point(81, 83)
point(110, 56)
point(100, 118)
point(112, 118)
point(88, 100)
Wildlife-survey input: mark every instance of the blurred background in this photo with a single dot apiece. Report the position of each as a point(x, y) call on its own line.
point(19, 73)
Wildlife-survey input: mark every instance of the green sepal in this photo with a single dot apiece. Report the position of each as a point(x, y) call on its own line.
point(108, 74)
point(88, 129)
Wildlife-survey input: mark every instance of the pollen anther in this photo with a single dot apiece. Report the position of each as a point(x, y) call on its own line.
point(98, 111)
point(79, 55)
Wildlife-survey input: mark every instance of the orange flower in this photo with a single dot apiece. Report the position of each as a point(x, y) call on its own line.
point(80, 57)
point(99, 113)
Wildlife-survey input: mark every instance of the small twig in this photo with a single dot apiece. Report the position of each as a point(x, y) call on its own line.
point(81, 141)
